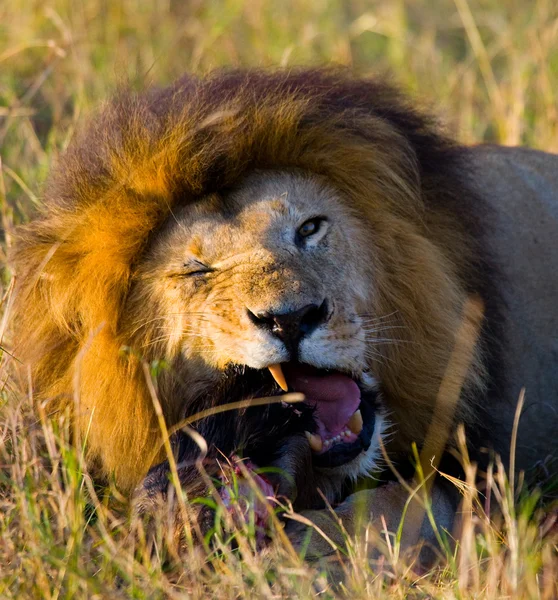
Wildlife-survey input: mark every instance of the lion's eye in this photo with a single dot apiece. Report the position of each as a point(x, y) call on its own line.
point(310, 227)
point(196, 269)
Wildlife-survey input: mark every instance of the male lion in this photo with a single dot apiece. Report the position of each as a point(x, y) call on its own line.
point(303, 230)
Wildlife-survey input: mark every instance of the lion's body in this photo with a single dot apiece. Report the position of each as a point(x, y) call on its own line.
point(521, 186)
point(417, 225)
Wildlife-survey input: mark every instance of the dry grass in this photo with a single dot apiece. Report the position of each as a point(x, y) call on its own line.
point(489, 67)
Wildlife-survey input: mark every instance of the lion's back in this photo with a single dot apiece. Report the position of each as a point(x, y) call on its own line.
point(521, 186)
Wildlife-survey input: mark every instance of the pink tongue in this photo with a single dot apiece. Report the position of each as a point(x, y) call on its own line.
point(335, 396)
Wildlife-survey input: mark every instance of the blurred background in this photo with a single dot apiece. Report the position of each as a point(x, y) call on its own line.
point(488, 68)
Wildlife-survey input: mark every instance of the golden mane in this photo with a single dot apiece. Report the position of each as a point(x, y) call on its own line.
point(145, 155)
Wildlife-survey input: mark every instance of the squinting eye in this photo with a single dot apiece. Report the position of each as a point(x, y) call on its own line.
point(198, 273)
point(310, 227)
point(196, 269)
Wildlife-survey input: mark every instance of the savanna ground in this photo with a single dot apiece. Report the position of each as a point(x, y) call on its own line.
point(488, 67)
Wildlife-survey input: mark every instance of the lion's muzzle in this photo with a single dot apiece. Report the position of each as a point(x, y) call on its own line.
point(292, 325)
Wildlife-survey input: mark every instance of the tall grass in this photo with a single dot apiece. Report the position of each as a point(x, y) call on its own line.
point(488, 67)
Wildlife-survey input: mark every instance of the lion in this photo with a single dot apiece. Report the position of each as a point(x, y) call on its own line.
point(263, 232)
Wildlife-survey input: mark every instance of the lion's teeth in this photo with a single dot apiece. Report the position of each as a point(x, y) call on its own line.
point(277, 374)
point(355, 422)
point(315, 441)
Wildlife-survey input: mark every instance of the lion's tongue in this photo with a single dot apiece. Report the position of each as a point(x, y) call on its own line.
point(335, 396)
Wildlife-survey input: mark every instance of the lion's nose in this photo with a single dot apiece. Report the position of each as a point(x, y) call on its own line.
point(291, 326)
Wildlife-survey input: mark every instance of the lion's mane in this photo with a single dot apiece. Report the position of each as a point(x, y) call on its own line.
point(144, 155)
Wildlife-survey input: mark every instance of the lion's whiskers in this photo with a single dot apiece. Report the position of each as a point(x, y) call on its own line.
point(375, 318)
point(140, 325)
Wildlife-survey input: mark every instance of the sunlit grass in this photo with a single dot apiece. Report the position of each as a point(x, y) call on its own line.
point(488, 68)
point(60, 538)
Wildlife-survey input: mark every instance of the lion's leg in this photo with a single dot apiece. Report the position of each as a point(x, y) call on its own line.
point(382, 510)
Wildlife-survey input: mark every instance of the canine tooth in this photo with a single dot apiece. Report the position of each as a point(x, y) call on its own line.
point(315, 441)
point(277, 374)
point(355, 422)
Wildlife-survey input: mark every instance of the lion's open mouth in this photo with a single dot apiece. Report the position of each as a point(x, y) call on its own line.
point(338, 414)
point(343, 412)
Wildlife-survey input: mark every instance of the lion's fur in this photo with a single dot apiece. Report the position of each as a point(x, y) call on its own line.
point(145, 155)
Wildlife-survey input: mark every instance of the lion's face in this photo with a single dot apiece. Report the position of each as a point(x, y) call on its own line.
point(313, 274)
point(270, 278)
